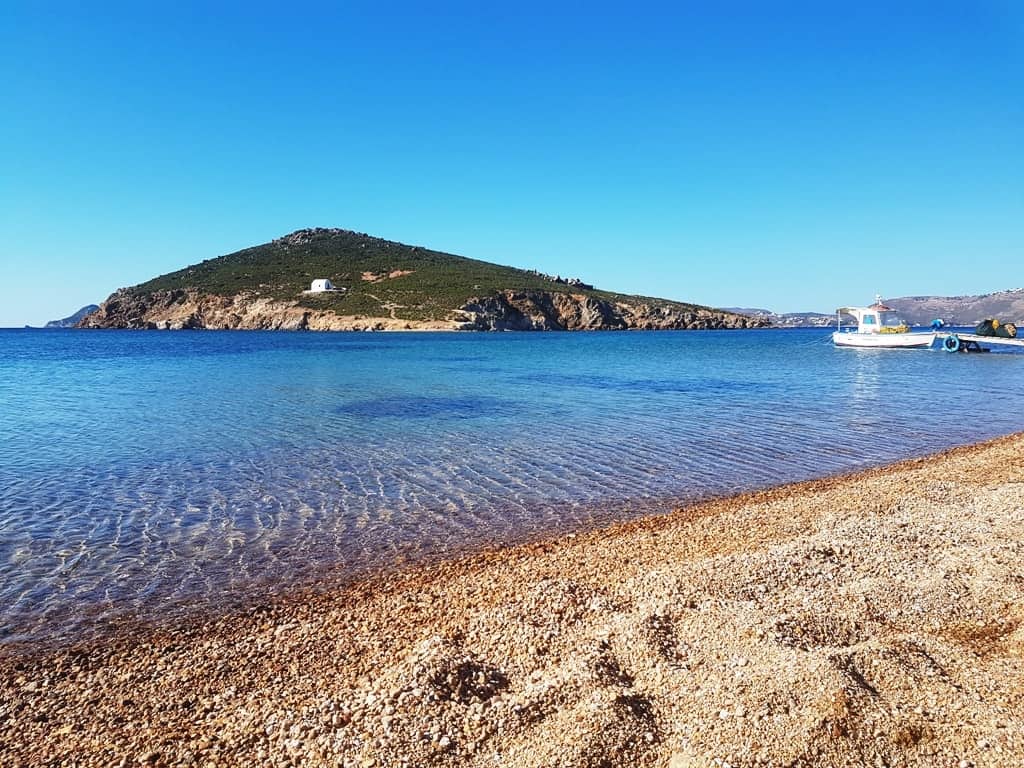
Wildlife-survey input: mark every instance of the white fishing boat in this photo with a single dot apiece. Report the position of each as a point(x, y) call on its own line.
point(878, 327)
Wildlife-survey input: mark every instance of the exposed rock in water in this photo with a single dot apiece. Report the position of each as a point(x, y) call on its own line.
point(506, 311)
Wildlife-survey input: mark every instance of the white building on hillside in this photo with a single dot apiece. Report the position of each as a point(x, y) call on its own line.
point(322, 286)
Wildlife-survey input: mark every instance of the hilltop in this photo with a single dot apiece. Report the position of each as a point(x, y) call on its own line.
point(381, 285)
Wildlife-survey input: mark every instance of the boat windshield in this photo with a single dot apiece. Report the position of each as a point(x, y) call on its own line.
point(889, 319)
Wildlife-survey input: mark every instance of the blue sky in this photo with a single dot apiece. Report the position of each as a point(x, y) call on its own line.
point(785, 155)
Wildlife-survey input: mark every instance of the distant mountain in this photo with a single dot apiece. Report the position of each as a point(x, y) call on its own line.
point(1007, 306)
point(73, 320)
point(375, 284)
point(961, 310)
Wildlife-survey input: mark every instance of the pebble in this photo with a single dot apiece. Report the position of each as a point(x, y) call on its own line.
point(685, 760)
point(270, 706)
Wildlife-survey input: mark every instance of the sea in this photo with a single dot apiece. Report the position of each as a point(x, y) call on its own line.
point(151, 476)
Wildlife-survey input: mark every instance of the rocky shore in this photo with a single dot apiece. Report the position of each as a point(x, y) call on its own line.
point(504, 311)
point(190, 310)
point(872, 620)
point(551, 311)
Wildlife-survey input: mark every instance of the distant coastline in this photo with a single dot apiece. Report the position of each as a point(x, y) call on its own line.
point(917, 311)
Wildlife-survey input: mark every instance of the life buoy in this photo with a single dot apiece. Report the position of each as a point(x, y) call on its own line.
point(951, 343)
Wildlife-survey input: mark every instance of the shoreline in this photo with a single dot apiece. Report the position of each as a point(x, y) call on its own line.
point(873, 616)
point(188, 612)
point(440, 329)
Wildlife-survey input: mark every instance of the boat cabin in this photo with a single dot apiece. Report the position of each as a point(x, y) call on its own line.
point(877, 318)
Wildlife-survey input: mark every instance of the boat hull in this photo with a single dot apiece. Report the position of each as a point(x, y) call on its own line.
point(884, 340)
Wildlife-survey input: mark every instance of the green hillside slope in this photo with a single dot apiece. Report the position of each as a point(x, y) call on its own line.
point(380, 277)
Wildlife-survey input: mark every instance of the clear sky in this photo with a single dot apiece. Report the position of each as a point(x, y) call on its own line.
point(784, 155)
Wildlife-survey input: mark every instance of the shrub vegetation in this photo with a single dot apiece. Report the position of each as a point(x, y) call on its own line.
point(435, 284)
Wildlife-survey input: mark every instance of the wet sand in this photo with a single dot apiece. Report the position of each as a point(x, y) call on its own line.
point(874, 620)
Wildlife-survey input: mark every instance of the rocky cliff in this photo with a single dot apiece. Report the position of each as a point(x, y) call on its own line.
point(544, 311)
point(506, 311)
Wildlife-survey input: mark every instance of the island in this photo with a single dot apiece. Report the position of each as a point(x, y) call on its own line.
point(377, 284)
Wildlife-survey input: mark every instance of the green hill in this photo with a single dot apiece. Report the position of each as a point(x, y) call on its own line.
point(379, 277)
point(383, 285)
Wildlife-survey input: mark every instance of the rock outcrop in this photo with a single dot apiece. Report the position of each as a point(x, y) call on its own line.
point(547, 311)
point(184, 309)
point(505, 311)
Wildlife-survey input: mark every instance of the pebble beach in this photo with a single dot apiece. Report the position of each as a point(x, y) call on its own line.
point(873, 619)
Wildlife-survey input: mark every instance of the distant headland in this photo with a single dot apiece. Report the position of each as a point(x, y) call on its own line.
point(72, 320)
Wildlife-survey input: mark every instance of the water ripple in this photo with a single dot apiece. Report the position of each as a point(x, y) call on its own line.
point(141, 472)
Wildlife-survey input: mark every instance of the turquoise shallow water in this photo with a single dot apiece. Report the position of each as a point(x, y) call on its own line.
point(153, 473)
